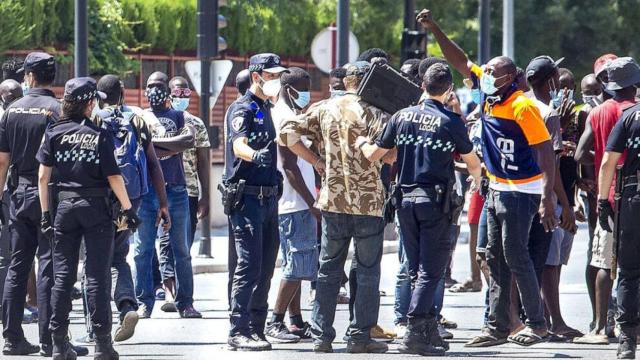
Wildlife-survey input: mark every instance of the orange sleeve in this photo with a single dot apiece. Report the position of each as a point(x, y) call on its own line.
point(476, 70)
point(528, 117)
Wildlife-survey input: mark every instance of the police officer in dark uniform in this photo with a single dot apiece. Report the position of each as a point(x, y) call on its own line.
point(426, 137)
point(21, 130)
point(250, 194)
point(624, 138)
point(79, 205)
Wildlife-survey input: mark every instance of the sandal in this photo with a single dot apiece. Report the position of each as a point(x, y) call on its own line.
point(592, 339)
point(486, 340)
point(467, 286)
point(527, 337)
point(565, 337)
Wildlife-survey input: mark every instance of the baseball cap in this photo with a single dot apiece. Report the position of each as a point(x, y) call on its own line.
point(601, 63)
point(38, 61)
point(623, 72)
point(82, 89)
point(266, 62)
point(358, 68)
point(541, 67)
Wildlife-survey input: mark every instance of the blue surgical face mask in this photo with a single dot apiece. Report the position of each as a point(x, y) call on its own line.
point(304, 98)
point(476, 96)
point(556, 98)
point(488, 84)
point(336, 93)
point(180, 104)
point(25, 88)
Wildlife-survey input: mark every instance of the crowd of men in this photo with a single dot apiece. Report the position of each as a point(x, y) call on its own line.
point(305, 180)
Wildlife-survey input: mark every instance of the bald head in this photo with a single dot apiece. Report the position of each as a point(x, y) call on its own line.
point(590, 86)
point(243, 81)
point(10, 90)
point(158, 77)
point(178, 82)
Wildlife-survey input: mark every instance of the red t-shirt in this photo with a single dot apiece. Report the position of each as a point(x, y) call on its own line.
point(602, 120)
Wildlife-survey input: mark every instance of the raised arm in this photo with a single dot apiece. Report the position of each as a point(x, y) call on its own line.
point(451, 51)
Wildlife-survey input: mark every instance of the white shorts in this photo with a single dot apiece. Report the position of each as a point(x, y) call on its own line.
point(602, 249)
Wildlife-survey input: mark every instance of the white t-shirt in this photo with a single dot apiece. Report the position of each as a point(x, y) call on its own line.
point(291, 201)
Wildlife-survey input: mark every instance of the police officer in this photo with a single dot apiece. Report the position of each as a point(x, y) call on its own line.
point(251, 180)
point(21, 130)
point(426, 137)
point(78, 205)
point(624, 138)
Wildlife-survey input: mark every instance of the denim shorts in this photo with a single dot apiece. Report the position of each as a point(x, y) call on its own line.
point(299, 245)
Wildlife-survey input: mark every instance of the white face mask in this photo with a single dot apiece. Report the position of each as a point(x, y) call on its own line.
point(270, 88)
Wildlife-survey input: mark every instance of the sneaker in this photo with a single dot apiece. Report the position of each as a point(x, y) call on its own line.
point(160, 294)
point(22, 347)
point(169, 306)
point(323, 347)
point(89, 338)
point(261, 339)
point(444, 333)
point(144, 312)
point(448, 324)
point(46, 350)
point(303, 333)
point(370, 347)
point(244, 343)
point(627, 347)
point(379, 333)
point(190, 313)
point(127, 326)
point(401, 330)
point(278, 333)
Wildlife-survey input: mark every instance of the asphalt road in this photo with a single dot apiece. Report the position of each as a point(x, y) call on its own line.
point(165, 336)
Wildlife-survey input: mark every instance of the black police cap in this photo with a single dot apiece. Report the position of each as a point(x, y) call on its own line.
point(38, 61)
point(266, 62)
point(82, 89)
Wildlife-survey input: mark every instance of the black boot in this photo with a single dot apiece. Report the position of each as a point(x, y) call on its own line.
point(627, 344)
point(104, 348)
point(62, 349)
point(432, 335)
point(415, 342)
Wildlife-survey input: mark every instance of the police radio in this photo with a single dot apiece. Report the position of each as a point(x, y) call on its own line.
point(386, 88)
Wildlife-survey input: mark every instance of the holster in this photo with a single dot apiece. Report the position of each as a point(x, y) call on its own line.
point(452, 203)
point(231, 196)
point(392, 202)
point(13, 178)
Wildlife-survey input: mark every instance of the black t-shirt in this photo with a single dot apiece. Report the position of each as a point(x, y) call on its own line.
point(22, 126)
point(250, 117)
point(426, 137)
point(172, 121)
point(80, 153)
point(626, 136)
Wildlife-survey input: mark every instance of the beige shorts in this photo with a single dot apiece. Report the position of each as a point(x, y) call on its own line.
point(602, 249)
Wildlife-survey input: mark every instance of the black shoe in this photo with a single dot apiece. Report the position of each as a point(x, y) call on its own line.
point(278, 333)
point(323, 347)
point(417, 339)
point(22, 347)
point(62, 349)
point(241, 342)
point(369, 347)
point(104, 348)
point(627, 346)
point(46, 350)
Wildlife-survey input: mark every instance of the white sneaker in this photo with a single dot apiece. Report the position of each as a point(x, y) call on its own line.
point(401, 330)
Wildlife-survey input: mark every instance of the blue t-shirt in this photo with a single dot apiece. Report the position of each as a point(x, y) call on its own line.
point(250, 117)
point(173, 122)
point(426, 137)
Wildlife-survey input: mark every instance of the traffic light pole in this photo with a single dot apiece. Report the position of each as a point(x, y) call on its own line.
point(484, 35)
point(207, 49)
point(343, 32)
point(81, 34)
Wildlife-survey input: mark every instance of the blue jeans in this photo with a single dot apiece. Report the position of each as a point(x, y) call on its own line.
point(337, 231)
point(403, 284)
point(510, 215)
point(255, 230)
point(144, 246)
point(427, 239)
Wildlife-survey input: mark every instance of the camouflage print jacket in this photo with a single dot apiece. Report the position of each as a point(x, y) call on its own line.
point(189, 160)
point(351, 184)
